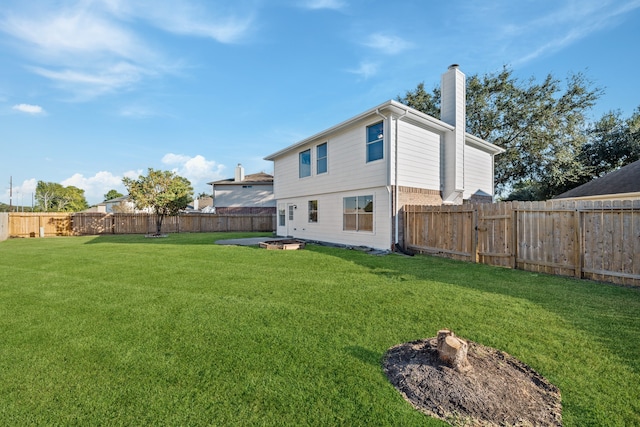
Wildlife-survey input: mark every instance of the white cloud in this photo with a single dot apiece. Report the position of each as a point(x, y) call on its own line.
point(138, 112)
point(387, 44)
point(365, 69)
point(90, 48)
point(133, 174)
point(29, 109)
point(564, 26)
point(196, 169)
point(22, 193)
point(187, 19)
point(77, 32)
point(95, 187)
point(324, 4)
point(90, 83)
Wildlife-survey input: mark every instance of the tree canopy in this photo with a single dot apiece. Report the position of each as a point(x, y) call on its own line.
point(164, 192)
point(542, 125)
point(54, 197)
point(112, 194)
point(613, 142)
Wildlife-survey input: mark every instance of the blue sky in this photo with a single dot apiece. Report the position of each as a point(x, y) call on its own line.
point(95, 90)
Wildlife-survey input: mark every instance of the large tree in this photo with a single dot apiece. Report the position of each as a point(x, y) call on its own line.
point(613, 142)
point(54, 197)
point(541, 125)
point(164, 192)
point(112, 194)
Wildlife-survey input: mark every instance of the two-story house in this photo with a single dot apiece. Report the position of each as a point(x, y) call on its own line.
point(348, 184)
point(244, 194)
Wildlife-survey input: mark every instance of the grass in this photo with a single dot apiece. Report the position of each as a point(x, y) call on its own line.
point(123, 330)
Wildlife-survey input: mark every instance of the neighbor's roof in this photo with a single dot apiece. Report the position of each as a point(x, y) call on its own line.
point(114, 200)
point(623, 181)
point(251, 179)
point(404, 112)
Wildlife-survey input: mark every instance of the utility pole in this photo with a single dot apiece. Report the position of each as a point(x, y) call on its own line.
point(10, 192)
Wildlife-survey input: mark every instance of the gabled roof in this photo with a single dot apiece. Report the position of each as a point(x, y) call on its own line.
point(622, 181)
point(403, 112)
point(260, 178)
point(114, 200)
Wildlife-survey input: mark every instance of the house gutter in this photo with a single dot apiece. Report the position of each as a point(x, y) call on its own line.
point(388, 186)
point(396, 191)
point(394, 195)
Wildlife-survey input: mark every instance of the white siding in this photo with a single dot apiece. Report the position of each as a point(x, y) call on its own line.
point(329, 225)
point(346, 162)
point(478, 172)
point(453, 113)
point(236, 196)
point(418, 157)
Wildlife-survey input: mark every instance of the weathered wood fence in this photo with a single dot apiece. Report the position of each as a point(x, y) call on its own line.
point(597, 240)
point(4, 226)
point(77, 224)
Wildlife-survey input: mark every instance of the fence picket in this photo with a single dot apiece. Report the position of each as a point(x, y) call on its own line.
point(75, 224)
point(585, 239)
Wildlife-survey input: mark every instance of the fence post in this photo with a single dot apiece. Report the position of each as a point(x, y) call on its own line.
point(514, 237)
point(474, 235)
point(578, 258)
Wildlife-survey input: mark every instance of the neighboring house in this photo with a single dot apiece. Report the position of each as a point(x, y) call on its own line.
point(118, 205)
point(250, 194)
point(623, 183)
point(124, 205)
point(348, 184)
point(203, 204)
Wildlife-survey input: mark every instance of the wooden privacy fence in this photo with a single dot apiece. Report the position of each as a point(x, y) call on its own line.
point(597, 240)
point(75, 224)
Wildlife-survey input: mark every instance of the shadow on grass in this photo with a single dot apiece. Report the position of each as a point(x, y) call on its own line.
point(365, 355)
point(173, 238)
point(608, 313)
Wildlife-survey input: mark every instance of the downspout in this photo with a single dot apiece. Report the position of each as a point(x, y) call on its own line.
point(396, 195)
point(388, 186)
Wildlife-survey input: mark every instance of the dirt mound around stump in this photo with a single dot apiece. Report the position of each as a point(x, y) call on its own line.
point(499, 390)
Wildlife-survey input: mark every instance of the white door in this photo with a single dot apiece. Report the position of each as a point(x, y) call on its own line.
point(291, 208)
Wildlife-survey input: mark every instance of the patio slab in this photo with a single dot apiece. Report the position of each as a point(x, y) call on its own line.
point(251, 241)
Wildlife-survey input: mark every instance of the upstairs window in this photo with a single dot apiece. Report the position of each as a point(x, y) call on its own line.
point(375, 142)
point(321, 158)
point(305, 163)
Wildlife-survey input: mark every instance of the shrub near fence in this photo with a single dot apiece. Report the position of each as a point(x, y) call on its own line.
point(76, 224)
point(597, 240)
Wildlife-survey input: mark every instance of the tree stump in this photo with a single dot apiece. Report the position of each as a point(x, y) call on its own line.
point(453, 351)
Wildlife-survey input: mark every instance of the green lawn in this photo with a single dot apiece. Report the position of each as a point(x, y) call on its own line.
point(123, 330)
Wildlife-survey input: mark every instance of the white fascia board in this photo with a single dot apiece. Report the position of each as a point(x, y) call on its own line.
point(325, 133)
point(482, 144)
point(390, 107)
point(426, 120)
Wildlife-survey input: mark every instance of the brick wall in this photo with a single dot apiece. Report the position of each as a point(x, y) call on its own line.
point(418, 196)
point(414, 196)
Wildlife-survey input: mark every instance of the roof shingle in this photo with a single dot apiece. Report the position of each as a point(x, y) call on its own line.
point(623, 180)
